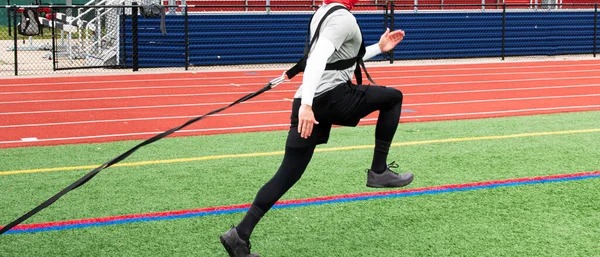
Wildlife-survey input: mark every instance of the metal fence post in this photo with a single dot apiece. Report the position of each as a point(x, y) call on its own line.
point(52, 13)
point(15, 41)
point(268, 6)
point(123, 39)
point(134, 37)
point(187, 39)
point(595, 27)
point(8, 10)
point(392, 28)
point(503, 29)
point(386, 22)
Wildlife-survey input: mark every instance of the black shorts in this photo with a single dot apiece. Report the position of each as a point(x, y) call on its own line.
point(344, 105)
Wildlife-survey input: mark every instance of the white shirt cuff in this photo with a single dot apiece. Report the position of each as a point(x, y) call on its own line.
point(372, 51)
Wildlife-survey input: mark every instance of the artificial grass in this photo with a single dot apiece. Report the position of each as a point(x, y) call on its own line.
point(557, 219)
point(188, 185)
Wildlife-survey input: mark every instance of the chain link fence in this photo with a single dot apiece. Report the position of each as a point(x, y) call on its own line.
point(115, 35)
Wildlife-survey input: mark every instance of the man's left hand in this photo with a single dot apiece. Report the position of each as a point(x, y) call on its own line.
point(389, 40)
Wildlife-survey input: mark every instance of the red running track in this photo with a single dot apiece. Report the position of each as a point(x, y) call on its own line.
point(86, 109)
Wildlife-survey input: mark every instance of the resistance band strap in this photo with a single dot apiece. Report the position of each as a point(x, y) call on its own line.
point(273, 83)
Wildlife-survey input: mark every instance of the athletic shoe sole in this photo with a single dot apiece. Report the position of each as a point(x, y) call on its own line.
point(383, 186)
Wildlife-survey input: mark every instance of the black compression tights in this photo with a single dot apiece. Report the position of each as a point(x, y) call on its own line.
point(387, 123)
point(389, 103)
point(292, 167)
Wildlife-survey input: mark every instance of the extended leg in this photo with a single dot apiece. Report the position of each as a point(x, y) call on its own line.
point(237, 240)
point(292, 167)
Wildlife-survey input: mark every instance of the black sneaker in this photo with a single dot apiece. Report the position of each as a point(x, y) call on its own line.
point(388, 178)
point(235, 246)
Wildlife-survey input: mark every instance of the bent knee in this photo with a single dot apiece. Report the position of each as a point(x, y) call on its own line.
point(396, 95)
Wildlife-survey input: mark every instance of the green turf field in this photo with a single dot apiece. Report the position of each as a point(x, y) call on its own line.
point(554, 219)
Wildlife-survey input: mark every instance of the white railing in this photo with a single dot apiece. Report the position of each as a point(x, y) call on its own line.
point(98, 38)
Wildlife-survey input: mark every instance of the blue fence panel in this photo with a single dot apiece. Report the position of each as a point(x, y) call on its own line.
point(549, 33)
point(449, 35)
point(458, 35)
point(226, 39)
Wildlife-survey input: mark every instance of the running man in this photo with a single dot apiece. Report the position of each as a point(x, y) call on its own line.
point(327, 97)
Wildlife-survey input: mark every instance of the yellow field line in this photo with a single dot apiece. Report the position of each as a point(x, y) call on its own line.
point(331, 149)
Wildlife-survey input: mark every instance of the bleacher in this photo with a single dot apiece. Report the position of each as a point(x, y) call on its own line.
point(404, 5)
point(261, 5)
point(576, 4)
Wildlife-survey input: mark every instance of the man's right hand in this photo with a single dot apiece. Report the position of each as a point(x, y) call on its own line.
point(306, 121)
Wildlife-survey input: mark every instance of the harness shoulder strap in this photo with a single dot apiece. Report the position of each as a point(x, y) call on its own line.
point(339, 65)
point(299, 67)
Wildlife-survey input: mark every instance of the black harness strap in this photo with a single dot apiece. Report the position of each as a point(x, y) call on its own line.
point(301, 65)
point(121, 157)
point(339, 65)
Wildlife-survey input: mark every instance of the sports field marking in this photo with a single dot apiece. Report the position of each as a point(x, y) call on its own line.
point(243, 128)
point(376, 69)
point(138, 107)
point(427, 93)
point(115, 89)
point(367, 121)
point(507, 99)
point(293, 90)
point(287, 99)
point(500, 112)
point(492, 81)
point(505, 89)
point(287, 111)
point(330, 149)
point(290, 83)
point(223, 210)
point(137, 96)
point(140, 119)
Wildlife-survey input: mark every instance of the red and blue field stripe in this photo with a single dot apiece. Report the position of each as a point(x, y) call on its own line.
point(222, 210)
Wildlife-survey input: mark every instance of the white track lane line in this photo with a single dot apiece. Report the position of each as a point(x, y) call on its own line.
point(139, 107)
point(288, 84)
point(137, 97)
point(150, 133)
point(115, 89)
point(228, 93)
point(141, 119)
point(590, 107)
point(376, 70)
point(287, 111)
point(505, 99)
point(286, 99)
point(377, 78)
point(505, 89)
point(287, 125)
point(287, 91)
